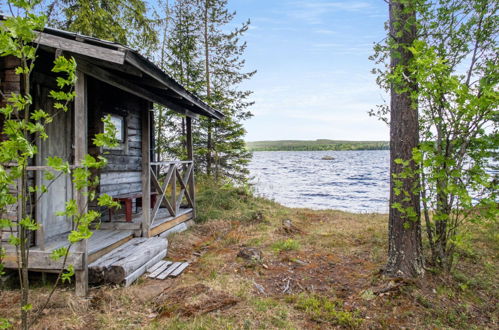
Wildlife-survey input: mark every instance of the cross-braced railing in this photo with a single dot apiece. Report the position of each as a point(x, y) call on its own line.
point(165, 177)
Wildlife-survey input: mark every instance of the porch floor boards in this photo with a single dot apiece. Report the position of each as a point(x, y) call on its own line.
point(104, 240)
point(101, 243)
point(100, 240)
point(163, 216)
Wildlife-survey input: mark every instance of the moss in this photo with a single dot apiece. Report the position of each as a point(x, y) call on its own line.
point(273, 311)
point(322, 309)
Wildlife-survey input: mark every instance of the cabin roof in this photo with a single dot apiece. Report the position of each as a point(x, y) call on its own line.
point(127, 69)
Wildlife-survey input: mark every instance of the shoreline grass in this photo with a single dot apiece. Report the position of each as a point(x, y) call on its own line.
point(324, 275)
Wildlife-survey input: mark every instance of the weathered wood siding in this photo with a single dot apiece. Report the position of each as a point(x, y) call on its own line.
point(59, 144)
point(9, 83)
point(122, 174)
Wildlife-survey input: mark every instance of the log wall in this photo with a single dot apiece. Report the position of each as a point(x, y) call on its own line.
point(10, 82)
point(123, 172)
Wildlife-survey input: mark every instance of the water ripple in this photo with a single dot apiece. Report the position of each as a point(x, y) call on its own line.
point(355, 181)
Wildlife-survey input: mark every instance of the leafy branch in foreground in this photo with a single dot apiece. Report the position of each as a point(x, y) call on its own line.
point(455, 71)
point(23, 125)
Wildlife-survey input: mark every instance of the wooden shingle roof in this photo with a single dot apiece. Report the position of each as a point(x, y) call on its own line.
point(126, 69)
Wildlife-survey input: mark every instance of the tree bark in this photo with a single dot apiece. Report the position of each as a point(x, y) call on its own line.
point(405, 257)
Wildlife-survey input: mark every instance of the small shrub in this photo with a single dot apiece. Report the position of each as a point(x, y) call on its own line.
point(286, 245)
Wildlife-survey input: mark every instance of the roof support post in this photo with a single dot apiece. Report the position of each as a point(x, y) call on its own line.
point(146, 170)
point(80, 196)
point(190, 156)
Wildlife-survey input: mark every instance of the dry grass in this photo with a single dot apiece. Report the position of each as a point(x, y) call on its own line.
point(326, 276)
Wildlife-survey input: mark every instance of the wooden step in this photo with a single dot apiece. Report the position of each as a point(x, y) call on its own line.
point(138, 273)
point(164, 269)
point(104, 241)
point(129, 261)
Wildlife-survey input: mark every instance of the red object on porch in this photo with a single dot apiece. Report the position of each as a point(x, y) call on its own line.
point(127, 199)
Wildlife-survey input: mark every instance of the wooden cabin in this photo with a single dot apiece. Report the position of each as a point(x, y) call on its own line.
point(157, 196)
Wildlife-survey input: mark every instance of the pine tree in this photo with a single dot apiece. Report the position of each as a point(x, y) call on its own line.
point(180, 58)
point(126, 22)
point(225, 153)
point(207, 60)
point(405, 256)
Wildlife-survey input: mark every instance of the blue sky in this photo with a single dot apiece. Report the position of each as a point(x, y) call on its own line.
point(313, 77)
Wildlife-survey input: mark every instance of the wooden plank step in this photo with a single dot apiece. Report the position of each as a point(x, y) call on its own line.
point(120, 264)
point(168, 271)
point(109, 240)
point(160, 269)
point(138, 273)
point(119, 253)
point(179, 269)
point(156, 266)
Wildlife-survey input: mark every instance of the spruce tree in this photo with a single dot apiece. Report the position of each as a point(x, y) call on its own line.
point(225, 154)
point(205, 58)
point(180, 58)
point(126, 22)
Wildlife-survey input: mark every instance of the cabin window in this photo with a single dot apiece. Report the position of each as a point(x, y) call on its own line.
point(119, 124)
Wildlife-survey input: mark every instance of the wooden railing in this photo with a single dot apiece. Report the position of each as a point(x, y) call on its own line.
point(165, 176)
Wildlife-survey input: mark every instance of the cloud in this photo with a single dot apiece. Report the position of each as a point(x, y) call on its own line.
point(318, 97)
point(325, 31)
point(336, 48)
point(319, 104)
point(312, 12)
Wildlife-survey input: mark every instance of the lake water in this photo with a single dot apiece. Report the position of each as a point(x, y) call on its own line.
point(354, 181)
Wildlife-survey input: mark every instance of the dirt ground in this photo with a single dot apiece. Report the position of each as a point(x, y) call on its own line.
point(322, 272)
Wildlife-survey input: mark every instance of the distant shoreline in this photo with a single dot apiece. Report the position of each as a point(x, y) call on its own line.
point(316, 145)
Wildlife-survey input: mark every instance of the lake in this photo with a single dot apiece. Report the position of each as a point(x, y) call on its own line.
point(354, 181)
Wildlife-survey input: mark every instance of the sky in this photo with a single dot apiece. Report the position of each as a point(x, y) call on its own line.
point(313, 79)
point(313, 76)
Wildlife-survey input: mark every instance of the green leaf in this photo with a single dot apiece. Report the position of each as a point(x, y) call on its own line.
point(71, 209)
point(29, 224)
point(59, 253)
point(5, 324)
point(27, 307)
point(68, 274)
point(49, 176)
point(39, 114)
point(13, 240)
point(58, 164)
point(106, 200)
point(6, 223)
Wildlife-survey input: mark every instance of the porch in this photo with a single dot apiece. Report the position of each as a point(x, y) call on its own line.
point(172, 184)
point(174, 210)
point(112, 80)
point(105, 247)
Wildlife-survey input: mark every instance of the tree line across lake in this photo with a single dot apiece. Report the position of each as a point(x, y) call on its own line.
point(316, 145)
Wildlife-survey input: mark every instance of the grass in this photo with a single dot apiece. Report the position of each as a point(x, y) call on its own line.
point(325, 310)
point(286, 245)
point(324, 276)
